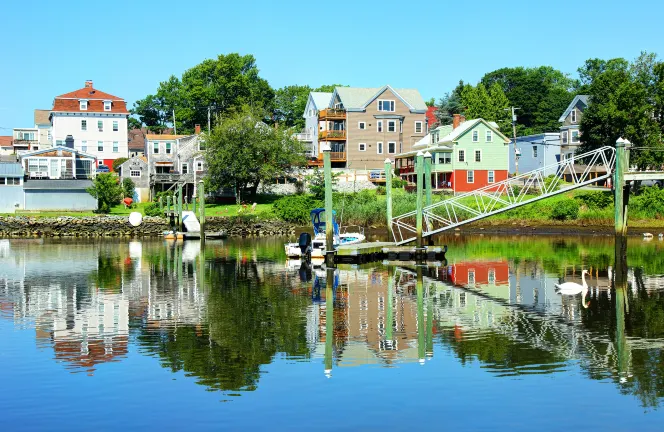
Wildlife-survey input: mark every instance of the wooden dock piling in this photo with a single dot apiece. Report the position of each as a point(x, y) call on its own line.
point(388, 197)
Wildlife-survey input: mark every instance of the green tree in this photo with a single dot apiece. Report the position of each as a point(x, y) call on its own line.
point(289, 104)
point(117, 162)
point(329, 88)
point(219, 85)
point(491, 104)
point(128, 188)
point(623, 104)
point(133, 123)
point(242, 151)
point(449, 105)
point(106, 189)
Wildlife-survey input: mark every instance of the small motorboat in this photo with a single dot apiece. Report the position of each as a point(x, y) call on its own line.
point(316, 247)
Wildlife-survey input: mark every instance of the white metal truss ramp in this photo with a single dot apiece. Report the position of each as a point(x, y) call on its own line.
point(584, 169)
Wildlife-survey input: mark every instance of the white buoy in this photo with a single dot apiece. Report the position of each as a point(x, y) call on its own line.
point(135, 219)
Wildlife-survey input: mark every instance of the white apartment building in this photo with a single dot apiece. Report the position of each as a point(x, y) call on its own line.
point(97, 122)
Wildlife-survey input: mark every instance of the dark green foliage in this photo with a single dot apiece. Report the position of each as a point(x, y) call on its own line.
point(565, 210)
point(296, 208)
point(107, 190)
point(316, 183)
point(289, 104)
point(596, 199)
point(117, 162)
point(398, 183)
point(128, 188)
point(152, 209)
point(380, 190)
point(649, 204)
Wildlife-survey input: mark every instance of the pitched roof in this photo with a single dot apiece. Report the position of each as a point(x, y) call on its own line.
point(136, 139)
point(163, 137)
point(6, 141)
point(11, 169)
point(357, 98)
point(468, 125)
point(42, 116)
point(578, 98)
point(321, 99)
point(69, 102)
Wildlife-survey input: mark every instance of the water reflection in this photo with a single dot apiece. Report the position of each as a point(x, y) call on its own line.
point(221, 314)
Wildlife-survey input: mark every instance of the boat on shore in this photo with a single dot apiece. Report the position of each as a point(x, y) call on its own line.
point(316, 248)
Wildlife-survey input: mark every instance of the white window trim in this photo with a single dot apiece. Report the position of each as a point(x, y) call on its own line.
point(392, 105)
point(400, 126)
point(565, 135)
point(110, 105)
point(131, 173)
point(573, 116)
point(488, 175)
point(578, 137)
point(467, 174)
point(362, 125)
point(475, 155)
point(472, 136)
point(184, 165)
point(115, 126)
point(100, 125)
point(83, 104)
point(392, 122)
point(199, 166)
point(421, 127)
point(379, 126)
point(84, 121)
point(488, 135)
point(459, 153)
point(379, 147)
point(360, 147)
point(116, 146)
point(388, 147)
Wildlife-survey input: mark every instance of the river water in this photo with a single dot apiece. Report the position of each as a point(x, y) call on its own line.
point(134, 335)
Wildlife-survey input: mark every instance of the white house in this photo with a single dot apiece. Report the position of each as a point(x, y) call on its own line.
point(97, 122)
point(316, 102)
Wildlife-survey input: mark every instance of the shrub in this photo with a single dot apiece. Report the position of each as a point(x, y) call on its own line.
point(649, 204)
point(128, 188)
point(107, 190)
point(565, 210)
point(380, 190)
point(295, 208)
point(596, 199)
point(550, 179)
point(152, 209)
point(398, 183)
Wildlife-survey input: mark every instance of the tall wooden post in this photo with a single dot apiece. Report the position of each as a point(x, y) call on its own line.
point(329, 320)
point(622, 164)
point(419, 170)
point(388, 197)
point(161, 204)
point(427, 177)
point(201, 209)
point(168, 204)
point(329, 224)
point(180, 208)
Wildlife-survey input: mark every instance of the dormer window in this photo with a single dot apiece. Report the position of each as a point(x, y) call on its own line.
point(83, 104)
point(107, 105)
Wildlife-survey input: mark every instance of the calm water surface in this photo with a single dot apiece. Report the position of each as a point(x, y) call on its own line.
point(132, 335)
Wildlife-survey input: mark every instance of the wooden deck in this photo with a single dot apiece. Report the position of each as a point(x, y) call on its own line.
point(378, 251)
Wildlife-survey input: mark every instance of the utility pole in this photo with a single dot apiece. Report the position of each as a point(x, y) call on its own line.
point(175, 128)
point(208, 120)
point(516, 159)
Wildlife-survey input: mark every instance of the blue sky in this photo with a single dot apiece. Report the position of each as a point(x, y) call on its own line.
point(128, 47)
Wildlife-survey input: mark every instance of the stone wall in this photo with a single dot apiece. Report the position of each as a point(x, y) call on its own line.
point(116, 226)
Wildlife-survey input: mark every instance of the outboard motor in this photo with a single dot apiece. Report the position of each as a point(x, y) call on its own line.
point(305, 245)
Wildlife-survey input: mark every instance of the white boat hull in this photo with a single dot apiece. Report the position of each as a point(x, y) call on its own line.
point(318, 245)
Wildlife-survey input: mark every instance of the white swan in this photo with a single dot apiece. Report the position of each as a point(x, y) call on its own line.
point(573, 288)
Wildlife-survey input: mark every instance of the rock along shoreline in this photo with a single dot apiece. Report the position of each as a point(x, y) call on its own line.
point(118, 226)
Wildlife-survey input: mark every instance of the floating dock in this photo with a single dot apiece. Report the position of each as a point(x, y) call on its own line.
point(377, 251)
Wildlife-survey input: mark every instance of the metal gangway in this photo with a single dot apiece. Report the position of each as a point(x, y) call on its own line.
point(506, 195)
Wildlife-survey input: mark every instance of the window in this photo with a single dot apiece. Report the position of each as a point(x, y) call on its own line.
point(385, 105)
point(199, 166)
point(492, 276)
point(201, 145)
point(491, 176)
point(135, 173)
point(470, 176)
point(575, 136)
point(49, 136)
point(362, 147)
point(59, 142)
point(476, 136)
point(100, 125)
point(107, 105)
point(168, 148)
point(391, 147)
point(361, 125)
point(534, 151)
point(115, 125)
point(418, 127)
point(83, 104)
point(185, 168)
point(84, 125)
point(478, 155)
point(379, 126)
point(489, 136)
point(391, 126)
point(400, 126)
point(115, 147)
point(573, 115)
point(568, 155)
point(10, 181)
point(84, 146)
point(379, 148)
point(155, 148)
point(100, 146)
point(563, 137)
point(462, 155)
point(471, 277)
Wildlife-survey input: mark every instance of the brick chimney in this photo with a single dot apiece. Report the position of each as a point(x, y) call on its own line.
point(457, 120)
point(197, 128)
point(88, 84)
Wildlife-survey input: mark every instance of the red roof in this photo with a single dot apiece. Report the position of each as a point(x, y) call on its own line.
point(6, 141)
point(69, 102)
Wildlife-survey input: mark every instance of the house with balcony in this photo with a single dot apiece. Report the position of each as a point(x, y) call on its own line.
point(25, 139)
point(97, 122)
point(363, 126)
point(466, 155)
point(58, 163)
point(570, 135)
point(315, 103)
